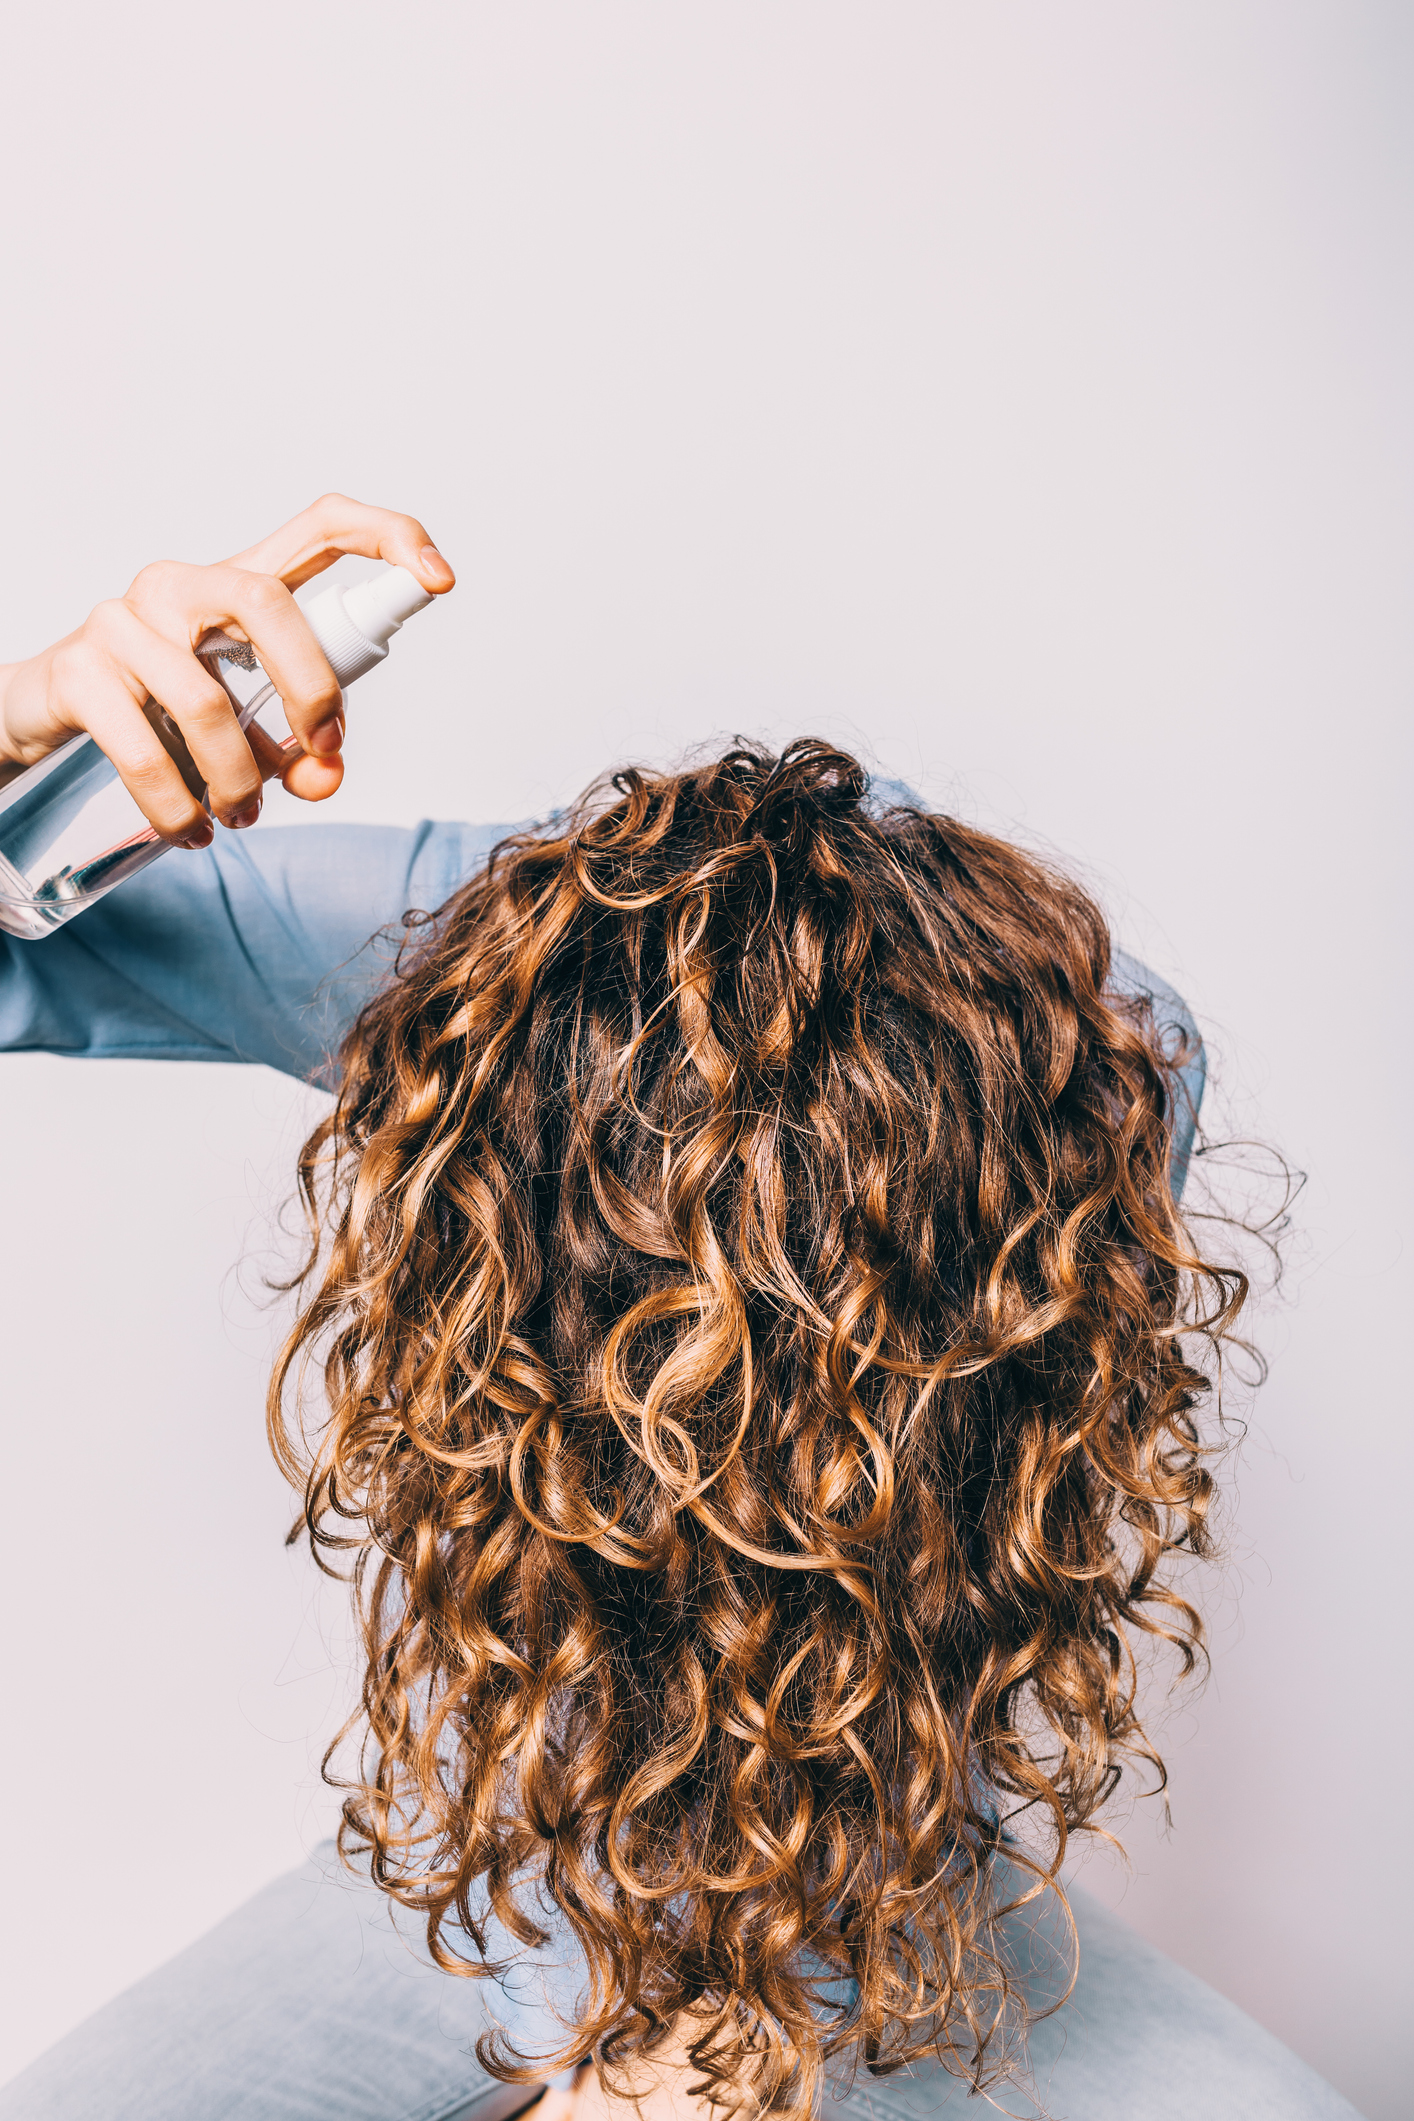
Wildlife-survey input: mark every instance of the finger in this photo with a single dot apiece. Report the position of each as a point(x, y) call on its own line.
point(184, 603)
point(203, 713)
point(335, 525)
point(91, 693)
point(311, 779)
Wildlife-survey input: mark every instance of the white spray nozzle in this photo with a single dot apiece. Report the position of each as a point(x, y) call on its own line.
point(354, 626)
point(378, 607)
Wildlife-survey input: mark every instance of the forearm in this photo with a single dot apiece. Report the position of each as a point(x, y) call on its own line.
point(10, 765)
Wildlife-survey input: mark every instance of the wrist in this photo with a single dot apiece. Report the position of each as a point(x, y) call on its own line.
point(10, 765)
point(24, 738)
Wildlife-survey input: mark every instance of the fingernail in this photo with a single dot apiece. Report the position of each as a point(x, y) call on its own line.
point(200, 836)
point(327, 737)
point(434, 564)
point(245, 817)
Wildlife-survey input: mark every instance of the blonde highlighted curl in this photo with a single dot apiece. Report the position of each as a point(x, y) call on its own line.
point(748, 1290)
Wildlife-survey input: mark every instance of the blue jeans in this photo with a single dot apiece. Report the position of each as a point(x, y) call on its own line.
point(310, 2004)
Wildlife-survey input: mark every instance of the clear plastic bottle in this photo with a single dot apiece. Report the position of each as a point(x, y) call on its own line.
point(69, 830)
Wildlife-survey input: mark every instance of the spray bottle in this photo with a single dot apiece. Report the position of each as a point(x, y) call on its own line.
point(69, 830)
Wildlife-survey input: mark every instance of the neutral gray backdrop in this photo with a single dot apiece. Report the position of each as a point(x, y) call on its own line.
point(1020, 391)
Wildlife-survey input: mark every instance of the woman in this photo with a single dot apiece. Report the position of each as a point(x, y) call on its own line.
point(751, 1357)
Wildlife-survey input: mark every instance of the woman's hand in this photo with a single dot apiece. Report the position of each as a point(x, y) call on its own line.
point(139, 647)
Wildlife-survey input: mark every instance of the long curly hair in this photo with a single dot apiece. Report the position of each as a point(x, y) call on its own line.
point(760, 1353)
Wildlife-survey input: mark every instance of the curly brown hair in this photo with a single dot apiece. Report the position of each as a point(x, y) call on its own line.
point(749, 1296)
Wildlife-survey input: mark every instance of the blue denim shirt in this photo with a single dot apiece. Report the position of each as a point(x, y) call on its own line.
point(266, 946)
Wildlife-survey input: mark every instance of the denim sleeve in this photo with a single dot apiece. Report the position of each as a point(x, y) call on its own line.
point(262, 948)
point(1181, 1043)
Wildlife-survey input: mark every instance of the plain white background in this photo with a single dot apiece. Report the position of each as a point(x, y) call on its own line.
point(1020, 391)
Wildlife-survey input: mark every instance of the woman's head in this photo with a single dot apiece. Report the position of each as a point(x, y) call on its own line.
point(748, 1309)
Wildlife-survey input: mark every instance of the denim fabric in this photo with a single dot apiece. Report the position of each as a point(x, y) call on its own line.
point(308, 2004)
point(1139, 2039)
point(265, 946)
point(257, 949)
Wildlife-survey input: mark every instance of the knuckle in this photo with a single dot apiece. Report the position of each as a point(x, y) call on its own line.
point(263, 592)
point(203, 702)
point(72, 663)
point(151, 772)
point(234, 781)
point(106, 619)
point(154, 582)
point(314, 703)
point(161, 794)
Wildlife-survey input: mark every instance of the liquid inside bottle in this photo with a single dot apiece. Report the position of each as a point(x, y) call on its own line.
point(69, 830)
